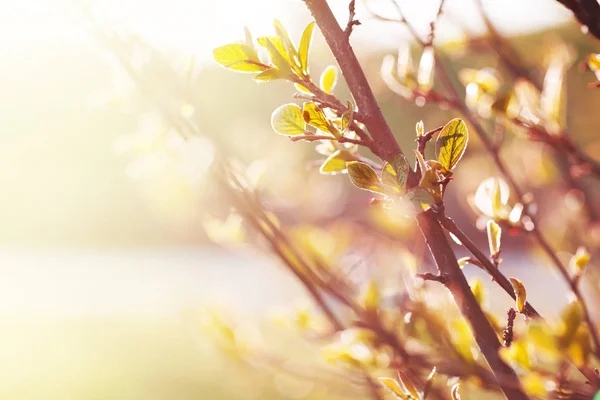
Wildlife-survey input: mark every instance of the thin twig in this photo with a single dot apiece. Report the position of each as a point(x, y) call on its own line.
point(351, 19)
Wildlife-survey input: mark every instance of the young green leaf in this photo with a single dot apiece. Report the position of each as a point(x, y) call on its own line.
point(277, 58)
point(336, 162)
point(239, 57)
point(288, 45)
point(287, 120)
point(314, 116)
point(520, 293)
point(494, 233)
point(370, 297)
point(328, 79)
point(269, 75)
point(452, 143)
point(421, 198)
point(364, 177)
point(395, 173)
point(305, 46)
point(301, 88)
point(248, 37)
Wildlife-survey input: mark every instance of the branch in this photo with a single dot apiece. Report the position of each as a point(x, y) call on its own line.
point(386, 146)
point(351, 21)
point(484, 262)
point(587, 13)
point(485, 336)
point(342, 139)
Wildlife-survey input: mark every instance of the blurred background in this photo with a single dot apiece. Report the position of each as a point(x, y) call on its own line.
point(107, 259)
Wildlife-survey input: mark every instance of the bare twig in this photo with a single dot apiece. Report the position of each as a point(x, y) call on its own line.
point(342, 139)
point(351, 19)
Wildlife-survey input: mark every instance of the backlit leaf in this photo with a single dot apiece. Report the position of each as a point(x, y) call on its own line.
point(269, 75)
point(408, 385)
point(301, 88)
point(287, 120)
point(580, 260)
point(478, 290)
point(364, 177)
point(288, 45)
point(347, 117)
point(421, 198)
point(314, 116)
point(426, 69)
point(305, 46)
point(571, 318)
point(393, 386)
point(580, 348)
point(239, 57)
point(452, 143)
point(328, 79)
point(494, 233)
point(277, 58)
point(336, 163)
point(370, 298)
point(248, 37)
point(520, 293)
point(395, 173)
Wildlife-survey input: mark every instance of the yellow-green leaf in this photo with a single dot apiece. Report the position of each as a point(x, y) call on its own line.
point(408, 385)
point(478, 290)
point(452, 143)
point(421, 198)
point(301, 88)
point(336, 162)
point(364, 177)
point(571, 318)
point(278, 58)
point(314, 116)
point(370, 298)
point(288, 45)
point(494, 233)
point(239, 57)
point(426, 69)
point(580, 348)
point(347, 117)
point(328, 79)
point(580, 260)
point(520, 293)
point(269, 75)
point(287, 120)
point(394, 387)
point(395, 173)
point(420, 128)
point(305, 46)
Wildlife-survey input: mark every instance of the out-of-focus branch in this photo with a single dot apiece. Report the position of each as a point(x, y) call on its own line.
point(587, 13)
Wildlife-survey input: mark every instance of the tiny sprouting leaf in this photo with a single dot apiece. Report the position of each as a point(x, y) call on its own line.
point(239, 57)
point(520, 293)
point(421, 161)
point(394, 387)
point(452, 143)
point(329, 79)
point(429, 383)
point(364, 177)
point(421, 198)
point(494, 233)
point(454, 392)
point(270, 74)
point(314, 116)
point(420, 128)
point(463, 261)
point(288, 45)
point(336, 162)
point(408, 385)
point(287, 120)
point(304, 46)
point(395, 173)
